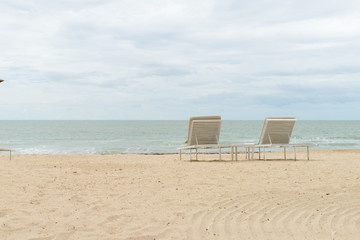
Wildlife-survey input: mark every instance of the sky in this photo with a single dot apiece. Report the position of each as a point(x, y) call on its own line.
point(169, 60)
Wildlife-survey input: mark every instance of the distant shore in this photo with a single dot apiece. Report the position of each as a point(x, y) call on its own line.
point(152, 196)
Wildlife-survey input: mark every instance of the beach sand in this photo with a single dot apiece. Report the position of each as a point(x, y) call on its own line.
point(130, 196)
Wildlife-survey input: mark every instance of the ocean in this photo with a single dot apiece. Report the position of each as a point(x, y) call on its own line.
point(109, 137)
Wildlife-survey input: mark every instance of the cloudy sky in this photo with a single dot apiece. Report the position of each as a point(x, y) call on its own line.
point(161, 59)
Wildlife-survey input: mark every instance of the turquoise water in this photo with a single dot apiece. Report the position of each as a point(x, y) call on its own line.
point(106, 137)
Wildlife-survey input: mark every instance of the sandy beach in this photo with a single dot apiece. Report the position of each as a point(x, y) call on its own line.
point(128, 196)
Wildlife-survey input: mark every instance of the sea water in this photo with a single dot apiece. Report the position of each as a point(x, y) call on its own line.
point(108, 137)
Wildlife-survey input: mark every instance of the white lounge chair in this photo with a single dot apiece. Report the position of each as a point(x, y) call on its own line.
point(7, 150)
point(276, 132)
point(203, 133)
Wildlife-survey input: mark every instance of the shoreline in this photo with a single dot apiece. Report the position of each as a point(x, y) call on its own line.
point(225, 152)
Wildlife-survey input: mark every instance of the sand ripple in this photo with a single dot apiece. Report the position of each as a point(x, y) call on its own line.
point(280, 216)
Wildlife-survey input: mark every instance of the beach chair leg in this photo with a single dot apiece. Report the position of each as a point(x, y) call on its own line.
point(264, 153)
point(259, 152)
point(285, 153)
point(220, 153)
point(10, 155)
point(295, 153)
point(196, 154)
point(232, 153)
point(252, 154)
point(180, 154)
point(308, 157)
point(236, 153)
point(190, 154)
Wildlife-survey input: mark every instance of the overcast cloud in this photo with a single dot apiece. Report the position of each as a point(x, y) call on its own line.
point(159, 59)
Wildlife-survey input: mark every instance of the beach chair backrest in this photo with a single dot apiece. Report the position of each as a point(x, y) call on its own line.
point(277, 130)
point(201, 118)
point(204, 132)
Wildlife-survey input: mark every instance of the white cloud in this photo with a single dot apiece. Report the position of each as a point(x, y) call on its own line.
point(172, 59)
